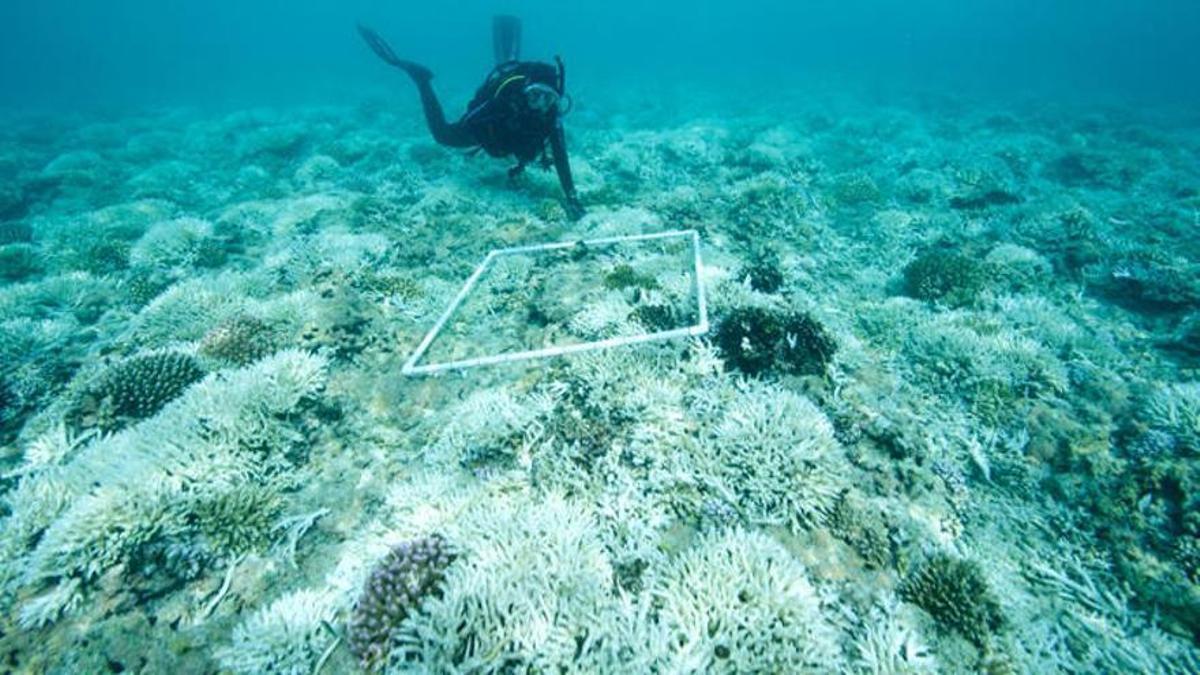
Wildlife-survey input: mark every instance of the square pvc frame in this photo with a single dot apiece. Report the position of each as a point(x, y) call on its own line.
point(701, 327)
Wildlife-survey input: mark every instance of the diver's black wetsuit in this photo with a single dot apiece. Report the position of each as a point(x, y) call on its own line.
point(500, 118)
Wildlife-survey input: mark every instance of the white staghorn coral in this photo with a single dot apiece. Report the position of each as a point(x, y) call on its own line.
point(888, 643)
point(130, 488)
point(172, 243)
point(773, 455)
point(38, 299)
point(982, 355)
point(530, 590)
point(492, 426)
point(326, 251)
point(1086, 624)
point(1175, 409)
point(188, 310)
point(285, 637)
point(605, 318)
point(739, 602)
point(45, 609)
point(631, 525)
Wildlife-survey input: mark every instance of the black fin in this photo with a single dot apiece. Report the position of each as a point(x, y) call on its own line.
point(506, 38)
point(384, 51)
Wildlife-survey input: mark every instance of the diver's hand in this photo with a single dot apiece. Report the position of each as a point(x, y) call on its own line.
point(574, 208)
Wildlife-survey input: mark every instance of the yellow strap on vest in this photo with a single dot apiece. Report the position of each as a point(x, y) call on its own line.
point(505, 84)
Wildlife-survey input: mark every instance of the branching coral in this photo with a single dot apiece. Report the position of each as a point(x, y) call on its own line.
point(855, 189)
point(531, 591)
point(607, 317)
point(133, 390)
point(46, 298)
point(397, 586)
point(19, 262)
point(1175, 409)
point(15, 232)
point(756, 339)
point(188, 310)
point(772, 455)
point(956, 595)
point(238, 520)
point(1152, 284)
point(285, 637)
point(1089, 625)
point(623, 277)
point(492, 427)
point(862, 529)
point(739, 603)
point(887, 643)
point(945, 276)
point(762, 270)
point(239, 340)
point(38, 357)
point(992, 365)
point(185, 242)
point(140, 487)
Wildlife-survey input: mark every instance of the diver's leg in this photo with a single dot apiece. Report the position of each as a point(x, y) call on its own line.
point(506, 38)
point(453, 135)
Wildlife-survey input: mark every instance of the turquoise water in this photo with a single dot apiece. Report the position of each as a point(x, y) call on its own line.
point(924, 399)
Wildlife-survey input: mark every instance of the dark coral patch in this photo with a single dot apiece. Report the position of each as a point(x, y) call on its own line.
point(756, 340)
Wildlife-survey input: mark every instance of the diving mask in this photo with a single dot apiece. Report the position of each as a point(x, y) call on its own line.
point(544, 98)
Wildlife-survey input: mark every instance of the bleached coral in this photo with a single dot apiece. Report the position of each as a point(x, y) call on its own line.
point(1086, 624)
point(39, 299)
point(605, 318)
point(45, 609)
point(127, 490)
point(739, 602)
point(531, 591)
point(302, 258)
point(1175, 409)
point(493, 426)
point(1020, 267)
point(186, 311)
point(888, 643)
point(632, 526)
point(286, 637)
point(985, 359)
point(36, 359)
point(173, 243)
point(773, 455)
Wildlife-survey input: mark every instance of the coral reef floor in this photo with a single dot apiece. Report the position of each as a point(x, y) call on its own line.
point(947, 418)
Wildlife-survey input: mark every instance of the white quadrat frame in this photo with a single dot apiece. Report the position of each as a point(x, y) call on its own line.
point(701, 327)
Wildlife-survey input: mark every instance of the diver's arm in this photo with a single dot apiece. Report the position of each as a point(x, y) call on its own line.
point(562, 165)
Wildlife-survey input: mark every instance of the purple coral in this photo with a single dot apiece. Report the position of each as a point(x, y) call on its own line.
point(397, 586)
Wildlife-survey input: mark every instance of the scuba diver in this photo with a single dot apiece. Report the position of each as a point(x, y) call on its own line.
point(517, 110)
